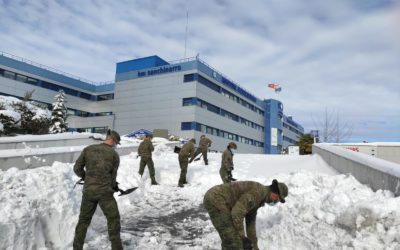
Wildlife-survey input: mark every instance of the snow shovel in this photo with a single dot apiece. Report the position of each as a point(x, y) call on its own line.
point(128, 191)
point(121, 192)
point(198, 158)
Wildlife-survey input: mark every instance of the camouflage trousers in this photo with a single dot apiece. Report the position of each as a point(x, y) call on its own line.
point(147, 160)
point(108, 205)
point(225, 175)
point(201, 151)
point(221, 218)
point(183, 164)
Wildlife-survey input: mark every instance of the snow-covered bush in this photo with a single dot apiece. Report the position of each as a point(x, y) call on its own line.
point(25, 117)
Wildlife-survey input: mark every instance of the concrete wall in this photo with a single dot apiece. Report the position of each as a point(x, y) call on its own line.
point(48, 143)
point(22, 158)
point(376, 173)
point(386, 151)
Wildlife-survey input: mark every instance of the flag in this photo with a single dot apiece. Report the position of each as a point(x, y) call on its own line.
point(275, 86)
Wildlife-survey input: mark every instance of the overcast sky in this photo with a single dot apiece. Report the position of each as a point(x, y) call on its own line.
point(343, 55)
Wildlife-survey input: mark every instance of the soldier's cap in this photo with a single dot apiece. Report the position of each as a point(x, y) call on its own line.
point(149, 135)
point(233, 145)
point(193, 140)
point(114, 135)
point(279, 188)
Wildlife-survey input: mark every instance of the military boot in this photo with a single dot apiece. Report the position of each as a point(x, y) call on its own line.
point(153, 182)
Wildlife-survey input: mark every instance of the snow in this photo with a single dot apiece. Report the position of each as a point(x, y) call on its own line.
point(373, 162)
point(324, 210)
point(367, 144)
point(11, 113)
point(49, 137)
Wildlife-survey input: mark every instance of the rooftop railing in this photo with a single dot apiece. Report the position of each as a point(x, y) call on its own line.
point(21, 59)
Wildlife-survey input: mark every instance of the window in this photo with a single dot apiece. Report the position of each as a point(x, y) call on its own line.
point(22, 78)
point(71, 111)
point(187, 101)
point(209, 84)
point(105, 97)
point(32, 81)
point(103, 114)
point(9, 74)
point(186, 126)
point(86, 96)
point(189, 78)
point(100, 130)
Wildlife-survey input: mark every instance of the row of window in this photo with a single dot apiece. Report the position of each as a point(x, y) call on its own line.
point(292, 129)
point(238, 89)
point(210, 107)
point(100, 130)
point(74, 112)
point(224, 92)
point(52, 86)
point(220, 133)
point(87, 114)
point(289, 140)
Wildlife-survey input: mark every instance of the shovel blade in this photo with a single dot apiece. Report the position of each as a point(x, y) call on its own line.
point(128, 191)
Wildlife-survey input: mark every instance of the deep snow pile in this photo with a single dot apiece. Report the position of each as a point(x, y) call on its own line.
point(39, 207)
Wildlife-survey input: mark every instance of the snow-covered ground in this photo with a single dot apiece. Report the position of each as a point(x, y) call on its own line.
point(324, 210)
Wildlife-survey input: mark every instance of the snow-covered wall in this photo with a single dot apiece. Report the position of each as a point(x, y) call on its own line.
point(389, 151)
point(377, 173)
point(38, 143)
point(31, 151)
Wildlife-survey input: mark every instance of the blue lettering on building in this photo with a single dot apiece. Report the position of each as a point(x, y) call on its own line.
point(161, 70)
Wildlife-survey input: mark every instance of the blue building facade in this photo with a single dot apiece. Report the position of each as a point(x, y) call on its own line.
point(236, 114)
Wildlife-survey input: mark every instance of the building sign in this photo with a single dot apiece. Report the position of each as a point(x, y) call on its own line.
point(161, 70)
point(274, 137)
point(294, 150)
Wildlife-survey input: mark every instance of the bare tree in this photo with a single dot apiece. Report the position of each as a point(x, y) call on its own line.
point(331, 127)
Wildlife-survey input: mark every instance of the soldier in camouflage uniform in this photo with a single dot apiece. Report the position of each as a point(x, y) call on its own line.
point(228, 204)
point(97, 166)
point(186, 152)
point(227, 163)
point(144, 151)
point(204, 143)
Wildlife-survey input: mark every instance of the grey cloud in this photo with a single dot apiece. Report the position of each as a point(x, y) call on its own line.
point(341, 54)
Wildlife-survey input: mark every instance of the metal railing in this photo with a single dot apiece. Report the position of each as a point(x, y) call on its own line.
point(209, 66)
point(21, 59)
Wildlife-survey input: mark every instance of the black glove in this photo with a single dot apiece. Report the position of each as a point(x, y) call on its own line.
point(116, 188)
point(247, 244)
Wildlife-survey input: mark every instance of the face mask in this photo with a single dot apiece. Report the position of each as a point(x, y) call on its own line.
point(114, 146)
point(272, 204)
point(233, 151)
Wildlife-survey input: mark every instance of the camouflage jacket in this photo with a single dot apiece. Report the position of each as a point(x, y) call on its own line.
point(227, 160)
point(243, 198)
point(145, 148)
point(204, 143)
point(99, 165)
point(187, 150)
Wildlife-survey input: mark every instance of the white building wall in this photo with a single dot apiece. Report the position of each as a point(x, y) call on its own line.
point(152, 103)
point(156, 103)
point(17, 88)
